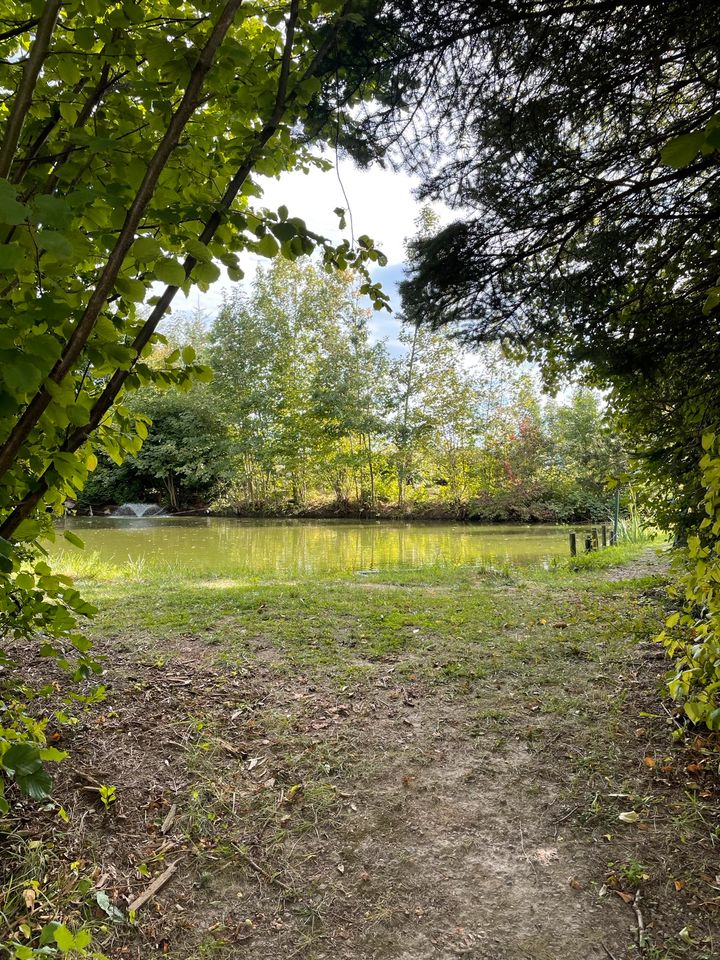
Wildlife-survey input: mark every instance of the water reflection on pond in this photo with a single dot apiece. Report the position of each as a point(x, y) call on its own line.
point(222, 547)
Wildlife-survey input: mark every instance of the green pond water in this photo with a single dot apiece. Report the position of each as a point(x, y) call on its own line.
point(227, 547)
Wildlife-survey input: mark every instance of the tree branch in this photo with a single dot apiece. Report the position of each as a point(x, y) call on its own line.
point(75, 344)
point(23, 97)
point(20, 28)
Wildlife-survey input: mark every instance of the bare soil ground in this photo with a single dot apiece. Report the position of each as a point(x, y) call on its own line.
point(373, 812)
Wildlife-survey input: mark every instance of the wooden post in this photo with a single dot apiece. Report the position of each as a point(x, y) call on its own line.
point(572, 536)
point(603, 531)
point(616, 517)
point(595, 538)
point(588, 544)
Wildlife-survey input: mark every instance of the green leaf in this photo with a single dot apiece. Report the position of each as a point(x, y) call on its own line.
point(55, 243)
point(22, 759)
point(206, 272)
point(681, 151)
point(200, 251)
point(131, 289)
point(11, 212)
point(146, 248)
point(83, 938)
point(11, 256)
point(268, 246)
point(188, 354)
point(159, 53)
point(51, 211)
point(713, 720)
point(170, 272)
point(64, 938)
point(36, 785)
point(84, 38)
point(74, 539)
point(53, 755)
point(103, 901)
point(284, 231)
point(22, 376)
point(47, 934)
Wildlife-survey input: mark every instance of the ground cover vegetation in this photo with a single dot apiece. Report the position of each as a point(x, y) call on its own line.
point(306, 414)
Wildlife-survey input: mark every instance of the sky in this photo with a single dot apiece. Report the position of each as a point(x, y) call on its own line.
point(382, 205)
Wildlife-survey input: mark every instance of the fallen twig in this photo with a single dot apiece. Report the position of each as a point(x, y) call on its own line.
point(567, 815)
point(611, 956)
point(82, 775)
point(263, 872)
point(169, 819)
point(563, 819)
point(640, 921)
point(156, 885)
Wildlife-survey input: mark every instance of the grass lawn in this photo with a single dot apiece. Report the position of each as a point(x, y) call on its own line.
point(414, 765)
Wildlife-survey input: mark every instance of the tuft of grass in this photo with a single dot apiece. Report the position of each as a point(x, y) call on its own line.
point(606, 558)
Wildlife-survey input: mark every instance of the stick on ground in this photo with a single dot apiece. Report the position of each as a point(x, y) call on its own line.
point(169, 819)
point(640, 921)
point(156, 885)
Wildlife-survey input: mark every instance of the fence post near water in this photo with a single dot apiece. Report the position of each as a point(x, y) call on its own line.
point(588, 544)
point(573, 543)
point(603, 531)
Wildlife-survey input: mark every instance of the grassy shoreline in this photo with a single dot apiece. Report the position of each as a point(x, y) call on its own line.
point(436, 756)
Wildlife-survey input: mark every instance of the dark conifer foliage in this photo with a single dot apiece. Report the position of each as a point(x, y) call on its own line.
point(543, 124)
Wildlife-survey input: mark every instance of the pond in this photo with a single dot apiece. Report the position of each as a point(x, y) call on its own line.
point(230, 547)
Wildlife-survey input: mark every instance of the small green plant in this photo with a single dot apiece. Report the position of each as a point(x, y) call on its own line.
point(633, 872)
point(108, 795)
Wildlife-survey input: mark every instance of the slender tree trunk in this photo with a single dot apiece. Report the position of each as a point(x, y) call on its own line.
point(405, 452)
point(172, 491)
point(371, 468)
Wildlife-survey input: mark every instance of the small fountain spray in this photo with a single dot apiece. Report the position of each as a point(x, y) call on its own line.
point(139, 510)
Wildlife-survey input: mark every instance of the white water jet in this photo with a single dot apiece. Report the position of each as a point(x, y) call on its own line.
point(139, 510)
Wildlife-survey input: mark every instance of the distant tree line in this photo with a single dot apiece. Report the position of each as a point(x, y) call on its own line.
point(306, 413)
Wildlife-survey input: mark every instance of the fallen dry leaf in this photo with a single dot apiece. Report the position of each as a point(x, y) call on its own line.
point(649, 762)
point(29, 896)
point(679, 885)
point(629, 816)
point(625, 897)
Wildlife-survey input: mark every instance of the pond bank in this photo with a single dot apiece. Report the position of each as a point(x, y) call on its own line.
point(422, 764)
point(442, 512)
